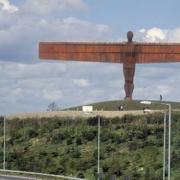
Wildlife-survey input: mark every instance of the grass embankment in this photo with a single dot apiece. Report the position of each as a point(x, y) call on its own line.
point(128, 105)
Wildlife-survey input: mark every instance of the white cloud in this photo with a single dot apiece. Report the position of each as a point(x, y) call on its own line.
point(153, 80)
point(173, 35)
point(22, 36)
point(152, 35)
point(52, 95)
point(164, 89)
point(5, 5)
point(81, 82)
point(13, 70)
point(31, 87)
point(158, 35)
point(103, 28)
point(46, 7)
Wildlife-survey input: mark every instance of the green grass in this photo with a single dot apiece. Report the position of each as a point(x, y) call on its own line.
point(128, 105)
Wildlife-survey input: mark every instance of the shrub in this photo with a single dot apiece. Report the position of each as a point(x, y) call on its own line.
point(80, 175)
point(78, 141)
point(58, 137)
point(69, 141)
point(89, 135)
point(31, 133)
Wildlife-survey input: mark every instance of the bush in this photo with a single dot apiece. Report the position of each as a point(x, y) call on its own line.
point(31, 133)
point(69, 141)
point(89, 135)
point(57, 137)
point(92, 121)
point(78, 141)
point(80, 175)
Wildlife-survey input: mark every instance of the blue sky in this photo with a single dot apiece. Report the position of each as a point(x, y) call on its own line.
point(28, 84)
point(129, 14)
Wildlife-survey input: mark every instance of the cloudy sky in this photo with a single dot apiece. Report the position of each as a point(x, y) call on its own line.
point(28, 84)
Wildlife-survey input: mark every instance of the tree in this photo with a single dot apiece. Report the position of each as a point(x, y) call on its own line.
point(52, 107)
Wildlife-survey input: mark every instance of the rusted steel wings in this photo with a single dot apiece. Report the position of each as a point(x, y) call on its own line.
point(157, 53)
point(111, 52)
point(93, 52)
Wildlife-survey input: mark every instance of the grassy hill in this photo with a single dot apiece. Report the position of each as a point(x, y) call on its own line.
point(128, 105)
point(130, 146)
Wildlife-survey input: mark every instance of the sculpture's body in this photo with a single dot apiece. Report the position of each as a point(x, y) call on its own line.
point(128, 53)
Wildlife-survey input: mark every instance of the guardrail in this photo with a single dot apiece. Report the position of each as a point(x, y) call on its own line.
point(17, 177)
point(41, 174)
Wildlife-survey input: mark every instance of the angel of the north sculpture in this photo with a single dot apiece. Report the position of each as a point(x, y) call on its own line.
point(128, 53)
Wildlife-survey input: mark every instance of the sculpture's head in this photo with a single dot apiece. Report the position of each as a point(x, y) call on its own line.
point(130, 36)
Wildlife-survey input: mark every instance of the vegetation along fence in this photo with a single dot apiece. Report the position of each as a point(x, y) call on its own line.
point(131, 147)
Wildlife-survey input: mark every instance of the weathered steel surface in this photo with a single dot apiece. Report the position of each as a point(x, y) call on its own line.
point(128, 53)
point(130, 36)
point(93, 52)
point(157, 53)
point(110, 52)
point(129, 70)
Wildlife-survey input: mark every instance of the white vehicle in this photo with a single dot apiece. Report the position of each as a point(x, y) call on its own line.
point(87, 108)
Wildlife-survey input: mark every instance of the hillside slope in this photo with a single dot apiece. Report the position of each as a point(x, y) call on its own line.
point(128, 105)
point(130, 146)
